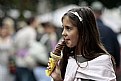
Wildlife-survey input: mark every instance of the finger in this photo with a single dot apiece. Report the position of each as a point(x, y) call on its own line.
point(48, 64)
point(48, 67)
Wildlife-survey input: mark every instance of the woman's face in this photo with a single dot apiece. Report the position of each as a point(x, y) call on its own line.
point(70, 32)
point(4, 32)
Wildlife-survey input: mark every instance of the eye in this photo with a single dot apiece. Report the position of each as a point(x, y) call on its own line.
point(68, 28)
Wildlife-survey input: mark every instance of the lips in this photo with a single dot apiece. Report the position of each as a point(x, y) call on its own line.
point(66, 40)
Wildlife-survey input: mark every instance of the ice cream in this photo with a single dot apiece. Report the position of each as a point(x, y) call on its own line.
point(55, 57)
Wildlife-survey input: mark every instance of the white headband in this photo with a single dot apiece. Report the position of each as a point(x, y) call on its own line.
point(76, 14)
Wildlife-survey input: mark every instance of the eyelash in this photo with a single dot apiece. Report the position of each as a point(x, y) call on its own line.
point(68, 28)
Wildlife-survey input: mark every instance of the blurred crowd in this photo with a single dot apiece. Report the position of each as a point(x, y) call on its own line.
point(25, 47)
point(24, 52)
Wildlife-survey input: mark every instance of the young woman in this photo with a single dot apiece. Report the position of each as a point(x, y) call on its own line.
point(6, 51)
point(84, 57)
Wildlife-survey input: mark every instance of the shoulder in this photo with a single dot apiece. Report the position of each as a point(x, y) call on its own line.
point(99, 69)
point(102, 59)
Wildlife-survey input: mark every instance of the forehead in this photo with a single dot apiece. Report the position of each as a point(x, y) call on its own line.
point(68, 21)
point(66, 18)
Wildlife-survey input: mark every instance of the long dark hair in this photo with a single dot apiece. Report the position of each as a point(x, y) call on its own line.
point(89, 44)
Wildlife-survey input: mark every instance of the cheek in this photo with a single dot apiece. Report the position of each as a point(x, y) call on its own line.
point(74, 39)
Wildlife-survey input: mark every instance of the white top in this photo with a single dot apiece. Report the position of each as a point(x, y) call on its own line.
point(98, 69)
point(6, 50)
point(25, 37)
point(23, 41)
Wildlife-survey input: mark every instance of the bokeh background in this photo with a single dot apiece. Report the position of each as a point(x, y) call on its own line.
point(15, 13)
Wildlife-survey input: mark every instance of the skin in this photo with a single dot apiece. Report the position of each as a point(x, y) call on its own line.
point(49, 29)
point(35, 23)
point(4, 32)
point(70, 32)
point(70, 35)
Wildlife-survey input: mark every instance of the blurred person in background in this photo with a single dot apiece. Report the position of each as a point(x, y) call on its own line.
point(21, 24)
point(50, 37)
point(39, 53)
point(107, 35)
point(23, 41)
point(6, 51)
point(9, 22)
point(40, 32)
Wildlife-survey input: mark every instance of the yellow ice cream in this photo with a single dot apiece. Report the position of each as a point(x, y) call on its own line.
point(53, 61)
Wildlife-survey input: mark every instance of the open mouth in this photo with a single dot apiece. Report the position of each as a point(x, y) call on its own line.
point(66, 40)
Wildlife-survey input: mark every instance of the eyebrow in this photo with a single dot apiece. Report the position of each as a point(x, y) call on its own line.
point(67, 26)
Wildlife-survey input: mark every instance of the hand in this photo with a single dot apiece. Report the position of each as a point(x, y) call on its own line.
point(56, 74)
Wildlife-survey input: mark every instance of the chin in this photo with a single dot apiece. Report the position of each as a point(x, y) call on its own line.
point(70, 46)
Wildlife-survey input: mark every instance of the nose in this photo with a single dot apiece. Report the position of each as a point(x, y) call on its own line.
point(64, 33)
